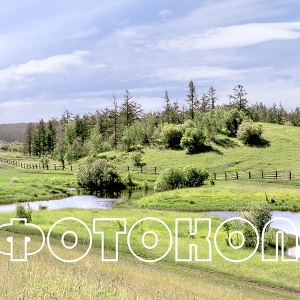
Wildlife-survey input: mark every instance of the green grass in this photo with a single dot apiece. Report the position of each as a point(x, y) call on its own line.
point(44, 277)
point(224, 195)
point(275, 274)
point(18, 184)
point(280, 155)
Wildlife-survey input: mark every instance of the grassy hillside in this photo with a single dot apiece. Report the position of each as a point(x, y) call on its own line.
point(229, 153)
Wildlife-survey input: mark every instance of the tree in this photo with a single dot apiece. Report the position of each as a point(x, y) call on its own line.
point(212, 97)
point(40, 139)
point(114, 116)
point(192, 99)
point(204, 105)
point(130, 110)
point(238, 98)
point(166, 114)
point(29, 138)
point(50, 137)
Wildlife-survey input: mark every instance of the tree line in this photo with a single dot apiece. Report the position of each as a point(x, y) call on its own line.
point(125, 125)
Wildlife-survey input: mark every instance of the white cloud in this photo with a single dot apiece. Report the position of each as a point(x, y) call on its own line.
point(165, 13)
point(55, 64)
point(233, 36)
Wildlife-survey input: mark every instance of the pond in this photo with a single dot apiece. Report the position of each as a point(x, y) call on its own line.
point(81, 201)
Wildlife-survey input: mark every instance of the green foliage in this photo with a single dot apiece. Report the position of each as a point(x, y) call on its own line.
point(24, 211)
point(194, 141)
point(172, 135)
point(136, 158)
point(132, 135)
point(174, 178)
point(258, 214)
point(233, 119)
point(195, 177)
point(170, 179)
point(99, 175)
point(250, 133)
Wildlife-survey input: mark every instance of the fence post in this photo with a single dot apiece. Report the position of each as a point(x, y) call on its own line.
point(141, 169)
point(71, 168)
point(290, 175)
point(249, 175)
point(225, 176)
point(54, 166)
point(276, 174)
point(237, 175)
point(154, 170)
point(128, 168)
point(47, 166)
point(215, 176)
point(262, 174)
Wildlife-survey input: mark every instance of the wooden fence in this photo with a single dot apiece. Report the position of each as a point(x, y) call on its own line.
point(36, 165)
point(269, 175)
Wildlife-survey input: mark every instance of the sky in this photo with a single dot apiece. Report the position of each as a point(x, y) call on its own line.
point(75, 55)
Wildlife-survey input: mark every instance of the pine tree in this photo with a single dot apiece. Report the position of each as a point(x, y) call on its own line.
point(212, 97)
point(238, 98)
point(192, 99)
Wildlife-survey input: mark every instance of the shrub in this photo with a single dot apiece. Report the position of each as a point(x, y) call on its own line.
point(258, 215)
point(175, 178)
point(24, 211)
point(99, 175)
point(136, 158)
point(195, 176)
point(170, 179)
point(172, 135)
point(194, 141)
point(233, 120)
point(250, 133)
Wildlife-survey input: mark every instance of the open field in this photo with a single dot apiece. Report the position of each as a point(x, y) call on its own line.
point(44, 277)
point(272, 274)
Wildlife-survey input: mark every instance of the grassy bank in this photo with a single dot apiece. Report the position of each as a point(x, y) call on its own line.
point(225, 195)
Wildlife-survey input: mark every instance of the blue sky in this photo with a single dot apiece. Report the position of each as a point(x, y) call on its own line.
point(74, 55)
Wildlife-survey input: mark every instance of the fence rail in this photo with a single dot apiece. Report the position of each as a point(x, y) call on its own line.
point(226, 175)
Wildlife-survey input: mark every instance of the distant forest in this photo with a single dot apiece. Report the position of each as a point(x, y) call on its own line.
point(126, 126)
point(12, 132)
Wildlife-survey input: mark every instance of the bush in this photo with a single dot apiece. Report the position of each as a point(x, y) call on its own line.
point(172, 135)
point(258, 215)
point(99, 175)
point(175, 178)
point(233, 120)
point(136, 158)
point(195, 176)
point(250, 133)
point(170, 179)
point(194, 141)
point(24, 211)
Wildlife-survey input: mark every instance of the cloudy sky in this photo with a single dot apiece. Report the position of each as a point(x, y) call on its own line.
point(74, 55)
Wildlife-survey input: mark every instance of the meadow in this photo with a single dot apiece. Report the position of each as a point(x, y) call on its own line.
point(44, 277)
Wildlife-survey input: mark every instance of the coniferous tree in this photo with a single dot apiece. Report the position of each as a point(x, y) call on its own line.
point(192, 99)
point(238, 98)
point(212, 97)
